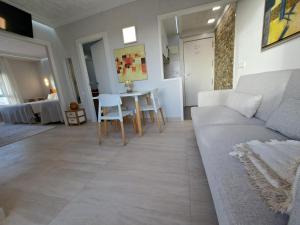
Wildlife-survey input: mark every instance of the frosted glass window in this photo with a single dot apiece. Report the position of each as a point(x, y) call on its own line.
point(129, 35)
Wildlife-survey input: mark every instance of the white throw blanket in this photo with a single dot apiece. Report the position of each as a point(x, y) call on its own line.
point(272, 168)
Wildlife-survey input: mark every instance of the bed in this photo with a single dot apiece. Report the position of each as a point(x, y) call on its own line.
point(48, 110)
point(17, 114)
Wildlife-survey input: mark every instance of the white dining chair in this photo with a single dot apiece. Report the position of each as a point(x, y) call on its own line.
point(110, 110)
point(154, 105)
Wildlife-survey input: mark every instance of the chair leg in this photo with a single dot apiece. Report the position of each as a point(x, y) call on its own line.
point(144, 118)
point(114, 125)
point(117, 125)
point(134, 124)
point(123, 133)
point(158, 121)
point(162, 116)
point(105, 128)
point(99, 133)
point(151, 116)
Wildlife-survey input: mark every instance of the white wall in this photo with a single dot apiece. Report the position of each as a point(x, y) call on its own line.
point(100, 65)
point(29, 78)
point(164, 40)
point(143, 14)
point(249, 26)
point(172, 69)
point(45, 33)
point(91, 72)
point(46, 72)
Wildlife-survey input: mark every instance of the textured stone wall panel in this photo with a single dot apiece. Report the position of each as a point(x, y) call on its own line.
point(224, 50)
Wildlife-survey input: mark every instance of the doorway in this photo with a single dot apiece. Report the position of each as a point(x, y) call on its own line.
point(94, 65)
point(90, 66)
point(199, 68)
point(197, 47)
point(28, 77)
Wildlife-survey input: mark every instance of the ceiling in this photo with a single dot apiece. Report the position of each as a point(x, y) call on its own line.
point(10, 47)
point(59, 12)
point(194, 23)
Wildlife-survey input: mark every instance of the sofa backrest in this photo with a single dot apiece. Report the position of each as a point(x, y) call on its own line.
point(272, 85)
point(293, 86)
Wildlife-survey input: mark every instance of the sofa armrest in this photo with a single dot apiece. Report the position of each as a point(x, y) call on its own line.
point(212, 98)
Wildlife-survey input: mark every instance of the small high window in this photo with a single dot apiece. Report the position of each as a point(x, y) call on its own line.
point(129, 35)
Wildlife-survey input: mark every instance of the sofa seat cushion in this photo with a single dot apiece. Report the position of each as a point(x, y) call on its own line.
point(236, 201)
point(213, 115)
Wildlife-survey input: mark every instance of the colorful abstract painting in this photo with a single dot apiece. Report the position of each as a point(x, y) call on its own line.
point(131, 63)
point(281, 21)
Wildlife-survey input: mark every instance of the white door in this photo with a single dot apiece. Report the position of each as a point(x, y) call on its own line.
point(199, 71)
point(100, 65)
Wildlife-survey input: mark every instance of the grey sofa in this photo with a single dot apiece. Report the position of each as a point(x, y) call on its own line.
point(218, 129)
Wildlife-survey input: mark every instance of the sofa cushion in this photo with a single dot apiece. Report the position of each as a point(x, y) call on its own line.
point(285, 119)
point(213, 115)
point(235, 199)
point(270, 85)
point(246, 104)
point(292, 89)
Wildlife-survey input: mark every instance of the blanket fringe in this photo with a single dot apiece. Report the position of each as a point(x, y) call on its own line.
point(278, 199)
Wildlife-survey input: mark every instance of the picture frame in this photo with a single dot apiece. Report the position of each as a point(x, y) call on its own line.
point(281, 22)
point(131, 64)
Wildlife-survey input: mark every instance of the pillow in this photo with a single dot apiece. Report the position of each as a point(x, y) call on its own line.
point(52, 96)
point(286, 119)
point(246, 104)
point(53, 90)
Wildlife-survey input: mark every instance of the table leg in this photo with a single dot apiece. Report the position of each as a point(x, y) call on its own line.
point(138, 116)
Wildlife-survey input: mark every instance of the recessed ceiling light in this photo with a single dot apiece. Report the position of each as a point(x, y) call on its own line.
point(216, 8)
point(210, 21)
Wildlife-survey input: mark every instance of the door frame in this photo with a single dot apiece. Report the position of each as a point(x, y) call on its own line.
point(84, 71)
point(56, 77)
point(196, 38)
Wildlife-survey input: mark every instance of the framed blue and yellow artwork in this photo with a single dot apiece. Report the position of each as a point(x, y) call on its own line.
point(281, 21)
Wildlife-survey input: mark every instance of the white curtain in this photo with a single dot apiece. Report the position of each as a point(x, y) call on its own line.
point(8, 83)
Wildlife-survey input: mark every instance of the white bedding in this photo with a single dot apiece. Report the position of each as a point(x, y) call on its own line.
point(48, 109)
point(50, 112)
point(37, 106)
point(17, 114)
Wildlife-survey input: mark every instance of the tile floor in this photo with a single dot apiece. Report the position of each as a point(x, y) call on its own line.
point(63, 177)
